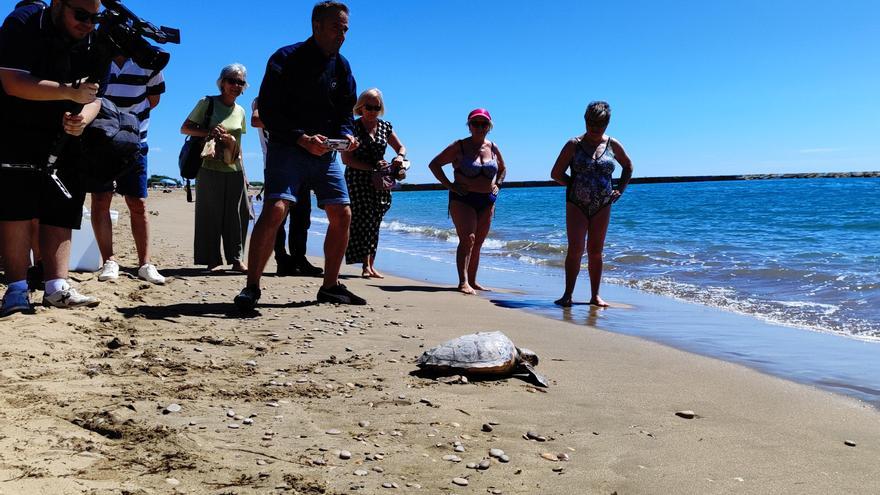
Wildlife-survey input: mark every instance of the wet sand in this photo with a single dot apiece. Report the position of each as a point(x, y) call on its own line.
point(268, 404)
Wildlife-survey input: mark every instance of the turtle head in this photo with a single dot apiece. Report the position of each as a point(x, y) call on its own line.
point(528, 356)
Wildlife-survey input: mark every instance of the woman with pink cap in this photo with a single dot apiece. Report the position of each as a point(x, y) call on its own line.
point(478, 169)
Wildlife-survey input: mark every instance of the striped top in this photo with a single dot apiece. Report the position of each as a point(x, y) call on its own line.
point(129, 87)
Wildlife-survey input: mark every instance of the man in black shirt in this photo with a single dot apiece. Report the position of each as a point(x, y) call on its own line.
point(306, 99)
point(44, 52)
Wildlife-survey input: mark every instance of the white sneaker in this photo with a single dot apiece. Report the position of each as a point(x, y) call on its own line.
point(68, 297)
point(110, 271)
point(149, 273)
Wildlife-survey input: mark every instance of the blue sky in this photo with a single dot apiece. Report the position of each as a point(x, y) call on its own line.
point(696, 88)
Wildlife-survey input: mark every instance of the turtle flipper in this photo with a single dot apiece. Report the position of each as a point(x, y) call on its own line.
point(538, 378)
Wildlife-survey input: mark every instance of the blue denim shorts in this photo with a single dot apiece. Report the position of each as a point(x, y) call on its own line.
point(132, 183)
point(290, 167)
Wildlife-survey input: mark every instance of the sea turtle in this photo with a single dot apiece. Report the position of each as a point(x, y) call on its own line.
point(484, 353)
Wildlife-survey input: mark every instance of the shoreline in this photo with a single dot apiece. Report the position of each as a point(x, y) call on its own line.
point(83, 415)
point(846, 365)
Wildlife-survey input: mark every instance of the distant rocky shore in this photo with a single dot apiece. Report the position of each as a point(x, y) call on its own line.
point(686, 178)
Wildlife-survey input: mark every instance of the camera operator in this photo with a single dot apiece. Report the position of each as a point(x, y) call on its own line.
point(44, 52)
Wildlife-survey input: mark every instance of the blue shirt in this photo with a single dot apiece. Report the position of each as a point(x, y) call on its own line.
point(306, 92)
point(31, 43)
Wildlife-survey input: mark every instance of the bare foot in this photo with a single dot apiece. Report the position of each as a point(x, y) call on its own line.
point(375, 274)
point(564, 301)
point(240, 267)
point(598, 301)
point(215, 268)
point(366, 273)
point(466, 289)
point(478, 286)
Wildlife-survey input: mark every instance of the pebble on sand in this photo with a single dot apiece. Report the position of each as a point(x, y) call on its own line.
point(496, 452)
point(460, 481)
point(344, 454)
point(361, 472)
point(686, 414)
point(849, 443)
point(531, 435)
point(172, 481)
point(333, 431)
point(172, 408)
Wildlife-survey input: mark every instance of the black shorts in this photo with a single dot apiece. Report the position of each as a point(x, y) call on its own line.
point(29, 194)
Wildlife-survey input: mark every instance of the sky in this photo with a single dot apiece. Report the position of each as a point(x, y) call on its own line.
point(696, 87)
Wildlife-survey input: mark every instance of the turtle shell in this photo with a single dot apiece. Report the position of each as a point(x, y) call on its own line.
point(484, 352)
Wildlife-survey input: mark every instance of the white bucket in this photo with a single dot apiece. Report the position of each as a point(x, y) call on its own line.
point(84, 253)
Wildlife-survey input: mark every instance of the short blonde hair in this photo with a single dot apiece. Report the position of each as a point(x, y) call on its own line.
point(361, 101)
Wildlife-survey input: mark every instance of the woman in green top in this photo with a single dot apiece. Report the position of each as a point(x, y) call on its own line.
point(221, 187)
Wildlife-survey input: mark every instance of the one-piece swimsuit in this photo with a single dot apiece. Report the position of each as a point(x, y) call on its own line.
point(590, 186)
point(473, 169)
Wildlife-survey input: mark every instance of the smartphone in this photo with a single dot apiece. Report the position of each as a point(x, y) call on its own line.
point(337, 144)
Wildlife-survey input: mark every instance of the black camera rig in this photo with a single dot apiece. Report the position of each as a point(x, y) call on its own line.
point(127, 34)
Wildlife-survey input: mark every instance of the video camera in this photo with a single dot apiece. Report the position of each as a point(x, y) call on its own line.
point(125, 33)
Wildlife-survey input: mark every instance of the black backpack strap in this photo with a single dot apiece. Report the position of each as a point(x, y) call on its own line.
point(209, 113)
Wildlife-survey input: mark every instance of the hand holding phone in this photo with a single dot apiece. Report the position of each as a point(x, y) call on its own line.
point(338, 144)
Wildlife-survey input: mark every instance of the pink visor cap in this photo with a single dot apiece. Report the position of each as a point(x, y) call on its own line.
point(480, 112)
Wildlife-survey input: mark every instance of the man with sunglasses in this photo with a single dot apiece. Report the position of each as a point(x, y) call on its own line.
point(306, 99)
point(46, 54)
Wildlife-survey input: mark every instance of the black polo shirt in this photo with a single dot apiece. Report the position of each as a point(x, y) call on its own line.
point(307, 92)
point(31, 43)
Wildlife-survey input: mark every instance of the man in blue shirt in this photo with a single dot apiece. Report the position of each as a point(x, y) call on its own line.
point(44, 52)
point(306, 99)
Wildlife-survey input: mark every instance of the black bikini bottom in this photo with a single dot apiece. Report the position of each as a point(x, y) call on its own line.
point(477, 201)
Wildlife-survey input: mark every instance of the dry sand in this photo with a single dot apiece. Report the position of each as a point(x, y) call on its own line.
point(303, 382)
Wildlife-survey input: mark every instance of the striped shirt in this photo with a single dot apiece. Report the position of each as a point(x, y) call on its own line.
point(129, 87)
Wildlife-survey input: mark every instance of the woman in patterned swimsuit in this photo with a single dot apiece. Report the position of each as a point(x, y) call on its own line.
point(589, 195)
point(368, 204)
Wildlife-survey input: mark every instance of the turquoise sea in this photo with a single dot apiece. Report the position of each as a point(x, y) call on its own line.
point(780, 275)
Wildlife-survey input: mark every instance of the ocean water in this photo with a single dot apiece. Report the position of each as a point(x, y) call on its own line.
point(798, 252)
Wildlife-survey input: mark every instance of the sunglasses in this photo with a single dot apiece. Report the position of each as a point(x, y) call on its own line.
point(478, 124)
point(236, 81)
point(83, 15)
point(373, 108)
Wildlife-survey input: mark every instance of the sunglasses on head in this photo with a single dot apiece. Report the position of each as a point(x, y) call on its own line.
point(479, 124)
point(373, 108)
point(83, 15)
point(236, 81)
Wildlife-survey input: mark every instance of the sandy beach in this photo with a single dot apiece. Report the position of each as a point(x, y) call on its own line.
point(317, 399)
